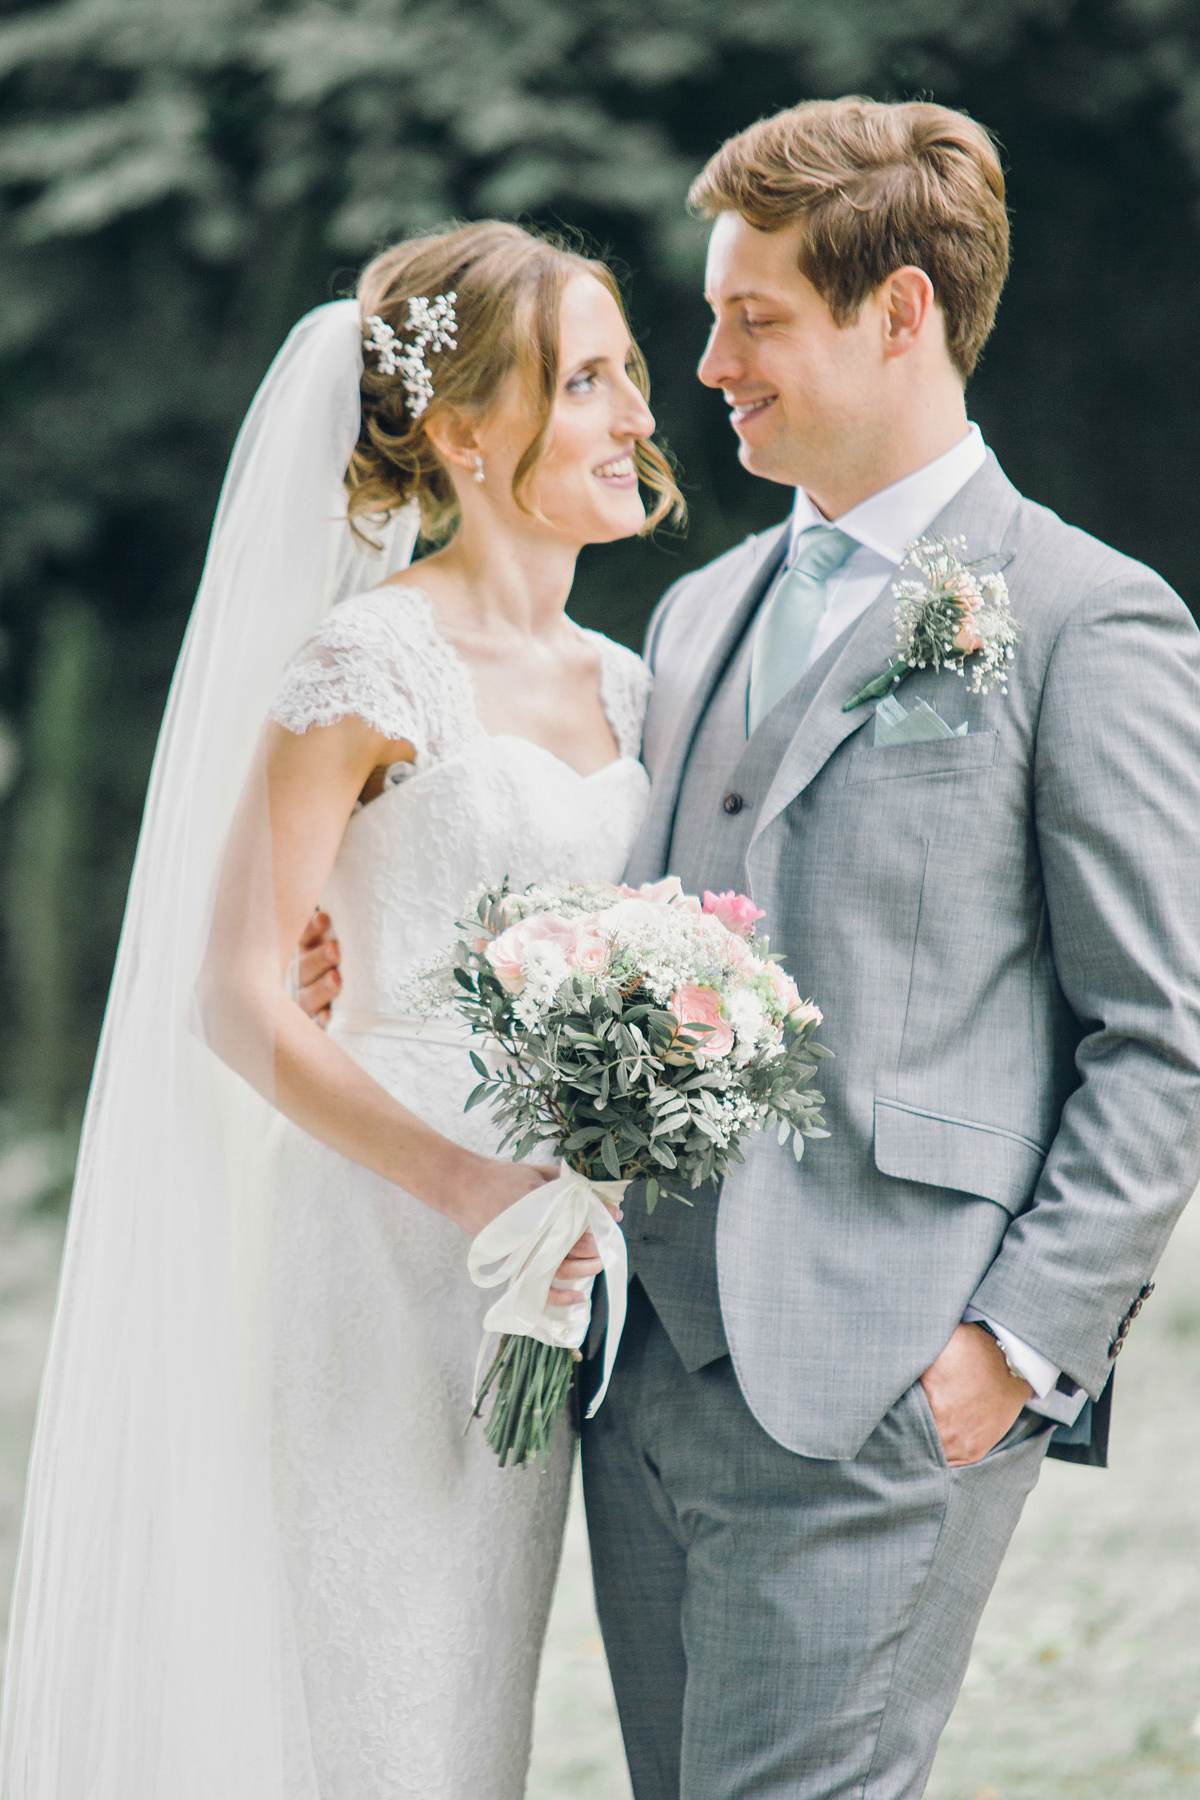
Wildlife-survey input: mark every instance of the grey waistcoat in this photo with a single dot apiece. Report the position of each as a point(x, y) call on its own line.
point(674, 1252)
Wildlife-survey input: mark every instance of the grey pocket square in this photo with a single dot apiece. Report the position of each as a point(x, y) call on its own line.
point(919, 724)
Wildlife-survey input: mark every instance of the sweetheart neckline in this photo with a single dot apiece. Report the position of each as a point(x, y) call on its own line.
point(498, 737)
point(518, 737)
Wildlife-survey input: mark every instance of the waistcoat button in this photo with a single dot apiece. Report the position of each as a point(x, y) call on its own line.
point(733, 803)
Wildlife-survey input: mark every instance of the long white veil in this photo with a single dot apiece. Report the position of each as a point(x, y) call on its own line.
point(149, 1648)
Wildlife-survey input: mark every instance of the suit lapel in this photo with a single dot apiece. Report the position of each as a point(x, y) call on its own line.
point(981, 512)
point(654, 840)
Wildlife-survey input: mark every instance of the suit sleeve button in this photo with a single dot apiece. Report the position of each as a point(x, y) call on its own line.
point(733, 803)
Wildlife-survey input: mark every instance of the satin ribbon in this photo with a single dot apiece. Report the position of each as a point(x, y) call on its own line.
point(525, 1245)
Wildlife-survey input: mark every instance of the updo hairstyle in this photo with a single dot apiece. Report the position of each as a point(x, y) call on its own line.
point(509, 284)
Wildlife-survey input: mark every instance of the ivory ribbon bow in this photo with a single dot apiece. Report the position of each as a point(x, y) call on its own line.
point(526, 1244)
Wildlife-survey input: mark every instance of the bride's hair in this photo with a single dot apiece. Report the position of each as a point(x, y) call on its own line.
point(507, 284)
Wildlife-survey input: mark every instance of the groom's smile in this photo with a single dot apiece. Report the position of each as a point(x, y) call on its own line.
point(741, 410)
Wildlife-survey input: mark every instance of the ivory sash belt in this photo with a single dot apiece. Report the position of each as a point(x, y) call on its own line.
point(401, 1025)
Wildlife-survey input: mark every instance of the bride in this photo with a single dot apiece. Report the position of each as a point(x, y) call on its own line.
point(260, 1559)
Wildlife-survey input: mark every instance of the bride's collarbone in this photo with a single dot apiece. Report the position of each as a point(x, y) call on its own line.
point(562, 712)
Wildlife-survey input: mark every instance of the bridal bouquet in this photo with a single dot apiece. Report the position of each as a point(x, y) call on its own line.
point(642, 1033)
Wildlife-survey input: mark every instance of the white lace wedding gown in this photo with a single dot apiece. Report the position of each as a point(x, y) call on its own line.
point(419, 1572)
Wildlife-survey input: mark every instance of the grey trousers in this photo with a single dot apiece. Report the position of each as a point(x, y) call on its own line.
point(780, 1627)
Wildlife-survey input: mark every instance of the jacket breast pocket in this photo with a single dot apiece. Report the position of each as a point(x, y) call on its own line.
point(937, 756)
point(942, 1151)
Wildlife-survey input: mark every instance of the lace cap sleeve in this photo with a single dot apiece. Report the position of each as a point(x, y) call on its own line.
point(625, 683)
point(380, 658)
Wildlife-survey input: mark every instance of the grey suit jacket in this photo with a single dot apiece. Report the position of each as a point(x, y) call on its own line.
point(1001, 930)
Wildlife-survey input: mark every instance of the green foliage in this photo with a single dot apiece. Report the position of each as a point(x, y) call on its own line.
point(180, 179)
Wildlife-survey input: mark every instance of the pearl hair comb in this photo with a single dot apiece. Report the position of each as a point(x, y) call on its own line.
point(433, 324)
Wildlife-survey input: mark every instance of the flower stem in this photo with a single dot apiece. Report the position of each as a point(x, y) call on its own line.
point(876, 689)
point(533, 1383)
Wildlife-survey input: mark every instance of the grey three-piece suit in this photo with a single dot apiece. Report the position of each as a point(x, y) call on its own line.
point(1002, 931)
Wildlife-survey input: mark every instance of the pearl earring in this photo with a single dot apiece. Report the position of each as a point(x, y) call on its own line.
point(478, 467)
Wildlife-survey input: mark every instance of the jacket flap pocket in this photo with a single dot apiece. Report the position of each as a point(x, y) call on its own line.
point(936, 756)
point(942, 1151)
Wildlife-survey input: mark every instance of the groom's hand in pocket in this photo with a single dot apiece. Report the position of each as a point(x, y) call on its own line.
point(973, 1396)
point(318, 975)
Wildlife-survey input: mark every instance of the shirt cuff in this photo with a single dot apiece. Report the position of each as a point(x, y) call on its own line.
point(1038, 1371)
point(1061, 1406)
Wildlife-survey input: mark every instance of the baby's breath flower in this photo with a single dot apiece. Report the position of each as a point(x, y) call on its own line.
point(948, 617)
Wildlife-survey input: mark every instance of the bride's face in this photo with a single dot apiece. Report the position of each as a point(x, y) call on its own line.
point(584, 488)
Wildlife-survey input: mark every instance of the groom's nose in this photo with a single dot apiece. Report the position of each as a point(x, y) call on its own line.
point(722, 362)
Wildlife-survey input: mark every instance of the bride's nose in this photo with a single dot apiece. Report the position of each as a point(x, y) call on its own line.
point(635, 417)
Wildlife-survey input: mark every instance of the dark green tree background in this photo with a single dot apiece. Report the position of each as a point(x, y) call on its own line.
point(181, 179)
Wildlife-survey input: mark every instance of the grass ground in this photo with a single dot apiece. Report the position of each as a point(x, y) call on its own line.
point(1085, 1680)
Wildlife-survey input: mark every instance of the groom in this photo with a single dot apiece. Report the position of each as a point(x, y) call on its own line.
point(839, 1378)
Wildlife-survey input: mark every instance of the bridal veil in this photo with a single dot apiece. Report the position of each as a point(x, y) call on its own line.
point(149, 1646)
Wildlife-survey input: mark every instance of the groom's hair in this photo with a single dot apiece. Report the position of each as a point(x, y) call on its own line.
point(879, 187)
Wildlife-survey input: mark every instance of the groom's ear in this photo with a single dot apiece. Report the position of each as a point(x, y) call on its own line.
point(909, 312)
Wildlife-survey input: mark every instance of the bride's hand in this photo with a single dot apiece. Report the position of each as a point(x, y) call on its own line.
point(494, 1186)
point(490, 1185)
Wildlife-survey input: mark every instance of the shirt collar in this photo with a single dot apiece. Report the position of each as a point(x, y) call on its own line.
point(885, 522)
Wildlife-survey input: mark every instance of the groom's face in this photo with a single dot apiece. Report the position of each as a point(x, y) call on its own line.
point(804, 393)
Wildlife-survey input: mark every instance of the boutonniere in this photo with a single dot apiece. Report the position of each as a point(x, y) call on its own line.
point(947, 617)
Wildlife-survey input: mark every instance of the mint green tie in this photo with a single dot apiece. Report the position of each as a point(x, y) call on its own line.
point(788, 625)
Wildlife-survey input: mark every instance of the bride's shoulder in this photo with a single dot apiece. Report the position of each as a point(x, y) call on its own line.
point(376, 656)
point(398, 614)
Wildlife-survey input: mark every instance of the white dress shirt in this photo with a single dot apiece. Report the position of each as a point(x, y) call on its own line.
point(881, 526)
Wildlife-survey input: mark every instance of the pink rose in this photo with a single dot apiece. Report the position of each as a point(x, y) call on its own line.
point(735, 911)
point(592, 947)
point(785, 989)
point(696, 1005)
point(628, 917)
point(506, 953)
point(736, 954)
point(967, 639)
point(805, 1013)
point(667, 892)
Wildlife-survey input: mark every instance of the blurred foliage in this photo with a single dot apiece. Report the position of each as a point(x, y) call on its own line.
point(180, 179)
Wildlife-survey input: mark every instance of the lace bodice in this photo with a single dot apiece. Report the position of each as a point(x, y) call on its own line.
point(473, 808)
